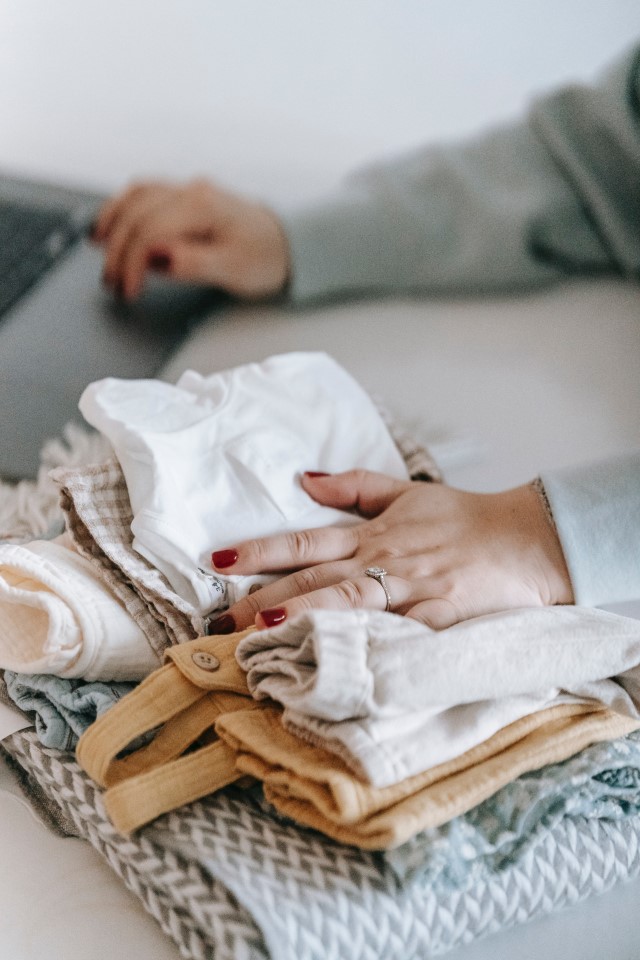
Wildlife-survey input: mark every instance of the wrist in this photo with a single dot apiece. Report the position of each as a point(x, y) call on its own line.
point(545, 549)
point(276, 252)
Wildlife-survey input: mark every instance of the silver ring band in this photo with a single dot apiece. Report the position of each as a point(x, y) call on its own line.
point(379, 574)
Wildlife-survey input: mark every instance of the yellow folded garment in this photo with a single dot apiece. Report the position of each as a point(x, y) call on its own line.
point(317, 789)
point(181, 701)
point(201, 694)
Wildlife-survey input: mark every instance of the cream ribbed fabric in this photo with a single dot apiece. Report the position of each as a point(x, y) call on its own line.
point(392, 697)
point(57, 616)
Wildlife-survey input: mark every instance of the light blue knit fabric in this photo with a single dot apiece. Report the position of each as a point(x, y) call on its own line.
point(62, 709)
point(602, 781)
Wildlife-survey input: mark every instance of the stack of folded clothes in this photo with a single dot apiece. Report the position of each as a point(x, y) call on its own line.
point(354, 752)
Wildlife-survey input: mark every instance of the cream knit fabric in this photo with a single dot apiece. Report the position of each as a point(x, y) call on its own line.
point(57, 616)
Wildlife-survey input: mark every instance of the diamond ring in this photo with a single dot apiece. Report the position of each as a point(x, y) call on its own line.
point(379, 574)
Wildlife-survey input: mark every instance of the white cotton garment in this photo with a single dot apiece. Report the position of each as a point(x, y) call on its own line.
point(394, 698)
point(58, 617)
point(216, 460)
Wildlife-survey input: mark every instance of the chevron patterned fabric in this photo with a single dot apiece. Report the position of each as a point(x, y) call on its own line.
point(227, 881)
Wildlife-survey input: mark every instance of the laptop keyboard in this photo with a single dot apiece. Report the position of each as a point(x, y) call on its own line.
point(31, 240)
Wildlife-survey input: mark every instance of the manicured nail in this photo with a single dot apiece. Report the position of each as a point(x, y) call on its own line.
point(224, 624)
point(316, 473)
point(160, 262)
point(224, 558)
point(274, 616)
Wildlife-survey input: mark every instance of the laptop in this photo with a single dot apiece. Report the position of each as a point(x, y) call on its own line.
point(59, 329)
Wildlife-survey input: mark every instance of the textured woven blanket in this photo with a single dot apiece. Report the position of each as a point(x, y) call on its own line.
point(227, 881)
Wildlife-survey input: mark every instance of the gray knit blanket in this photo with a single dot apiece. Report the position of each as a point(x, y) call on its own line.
point(228, 881)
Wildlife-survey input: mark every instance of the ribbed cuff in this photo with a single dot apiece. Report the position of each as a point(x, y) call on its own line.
point(596, 510)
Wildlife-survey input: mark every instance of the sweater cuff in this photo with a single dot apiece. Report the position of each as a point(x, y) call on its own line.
point(596, 510)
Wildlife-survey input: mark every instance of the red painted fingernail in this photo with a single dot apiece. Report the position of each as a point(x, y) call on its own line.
point(316, 473)
point(224, 624)
point(274, 616)
point(224, 558)
point(161, 262)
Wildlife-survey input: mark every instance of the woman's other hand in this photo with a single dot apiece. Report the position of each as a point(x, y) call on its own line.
point(197, 233)
point(449, 555)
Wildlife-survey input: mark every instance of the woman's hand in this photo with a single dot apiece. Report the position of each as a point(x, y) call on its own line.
point(196, 233)
point(449, 555)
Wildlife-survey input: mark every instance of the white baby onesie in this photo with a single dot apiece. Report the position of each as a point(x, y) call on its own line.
point(215, 460)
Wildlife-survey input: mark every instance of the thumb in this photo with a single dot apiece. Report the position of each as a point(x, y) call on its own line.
point(362, 490)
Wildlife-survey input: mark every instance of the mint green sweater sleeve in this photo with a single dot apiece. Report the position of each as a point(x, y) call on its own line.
point(555, 195)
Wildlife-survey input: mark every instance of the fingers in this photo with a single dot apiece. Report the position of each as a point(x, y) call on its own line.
point(112, 209)
point(118, 222)
point(144, 212)
point(108, 212)
point(369, 492)
point(356, 593)
point(243, 614)
point(139, 227)
point(338, 585)
point(287, 551)
point(362, 490)
point(147, 241)
point(265, 610)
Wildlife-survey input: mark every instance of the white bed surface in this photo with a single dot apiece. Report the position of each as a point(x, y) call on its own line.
point(60, 900)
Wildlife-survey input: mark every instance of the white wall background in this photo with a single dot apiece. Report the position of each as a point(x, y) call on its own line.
point(280, 97)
